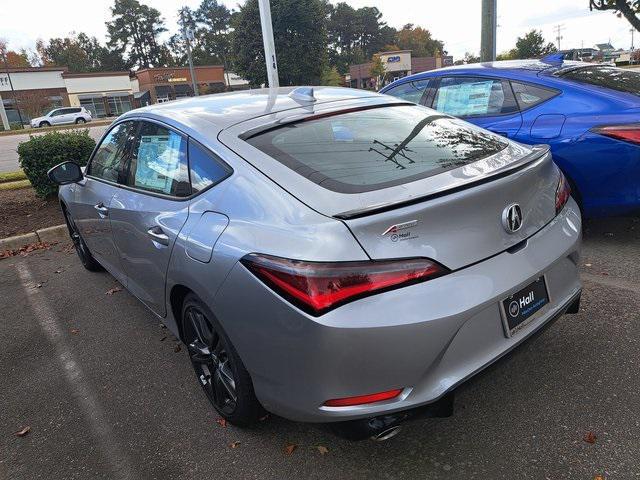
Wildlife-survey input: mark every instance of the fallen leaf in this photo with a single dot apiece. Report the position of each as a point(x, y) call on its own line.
point(163, 338)
point(263, 418)
point(177, 348)
point(23, 432)
point(598, 477)
point(587, 264)
point(222, 422)
point(113, 290)
point(75, 331)
point(289, 449)
point(234, 444)
point(322, 449)
point(37, 285)
point(590, 437)
point(59, 271)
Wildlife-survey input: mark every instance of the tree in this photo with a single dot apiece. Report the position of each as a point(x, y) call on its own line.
point(468, 58)
point(215, 19)
point(508, 55)
point(14, 59)
point(330, 77)
point(355, 35)
point(79, 53)
point(134, 32)
point(377, 70)
point(300, 40)
point(626, 8)
point(532, 45)
point(419, 41)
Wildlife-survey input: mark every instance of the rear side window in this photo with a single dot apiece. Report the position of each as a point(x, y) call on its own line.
point(375, 148)
point(608, 77)
point(529, 96)
point(206, 168)
point(159, 161)
point(410, 91)
point(109, 159)
point(469, 96)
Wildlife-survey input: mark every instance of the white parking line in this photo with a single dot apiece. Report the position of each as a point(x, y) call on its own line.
point(119, 462)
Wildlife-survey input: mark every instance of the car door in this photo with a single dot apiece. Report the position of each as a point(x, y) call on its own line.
point(94, 194)
point(483, 101)
point(57, 116)
point(148, 214)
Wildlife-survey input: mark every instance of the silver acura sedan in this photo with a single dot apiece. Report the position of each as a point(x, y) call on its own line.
point(328, 255)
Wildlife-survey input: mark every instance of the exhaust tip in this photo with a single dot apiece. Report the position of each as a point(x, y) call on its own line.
point(387, 434)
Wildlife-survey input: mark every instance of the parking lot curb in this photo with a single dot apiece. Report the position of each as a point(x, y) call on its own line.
point(55, 234)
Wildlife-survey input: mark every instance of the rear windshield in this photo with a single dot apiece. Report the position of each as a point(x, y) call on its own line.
point(365, 150)
point(608, 77)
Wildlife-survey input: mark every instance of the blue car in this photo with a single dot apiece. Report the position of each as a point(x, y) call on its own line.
point(588, 113)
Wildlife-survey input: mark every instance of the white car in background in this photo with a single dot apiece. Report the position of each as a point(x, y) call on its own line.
point(62, 116)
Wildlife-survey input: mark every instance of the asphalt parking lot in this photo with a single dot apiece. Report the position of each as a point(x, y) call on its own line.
point(106, 394)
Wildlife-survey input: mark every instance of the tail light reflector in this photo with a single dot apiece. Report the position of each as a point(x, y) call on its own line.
point(363, 399)
point(317, 287)
point(626, 133)
point(563, 192)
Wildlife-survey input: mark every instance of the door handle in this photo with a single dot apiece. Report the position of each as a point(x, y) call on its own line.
point(101, 209)
point(158, 235)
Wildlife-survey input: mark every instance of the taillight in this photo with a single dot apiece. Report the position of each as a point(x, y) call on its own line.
point(317, 287)
point(563, 192)
point(626, 133)
point(363, 399)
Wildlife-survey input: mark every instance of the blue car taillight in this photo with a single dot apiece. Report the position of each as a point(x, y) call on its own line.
point(627, 133)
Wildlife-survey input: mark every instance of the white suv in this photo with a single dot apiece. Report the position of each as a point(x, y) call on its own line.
point(60, 116)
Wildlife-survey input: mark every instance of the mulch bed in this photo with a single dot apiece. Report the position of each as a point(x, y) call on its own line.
point(22, 212)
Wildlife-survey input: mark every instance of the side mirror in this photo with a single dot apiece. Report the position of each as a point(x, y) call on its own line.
point(65, 173)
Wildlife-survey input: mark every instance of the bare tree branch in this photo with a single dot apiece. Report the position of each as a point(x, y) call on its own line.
point(627, 8)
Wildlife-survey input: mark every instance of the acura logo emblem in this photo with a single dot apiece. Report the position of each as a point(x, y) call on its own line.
point(512, 218)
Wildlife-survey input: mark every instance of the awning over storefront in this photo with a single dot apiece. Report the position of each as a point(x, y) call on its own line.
point(137, 95)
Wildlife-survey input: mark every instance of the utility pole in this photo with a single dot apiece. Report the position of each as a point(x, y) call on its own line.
point(269, 45)
point(559, 29)
point(13, 92)
point(187, 34)
point(489, 27)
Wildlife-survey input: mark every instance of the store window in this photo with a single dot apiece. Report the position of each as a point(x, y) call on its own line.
point(119, 104)
point(95, 105)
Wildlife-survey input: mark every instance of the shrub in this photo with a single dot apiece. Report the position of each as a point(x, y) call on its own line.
point(40, 153)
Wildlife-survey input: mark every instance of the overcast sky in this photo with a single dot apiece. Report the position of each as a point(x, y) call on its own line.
point(456, 22)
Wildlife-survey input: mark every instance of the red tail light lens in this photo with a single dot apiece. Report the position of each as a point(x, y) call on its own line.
point(563, 192)
point(363, 399)
point(317, 287)
point(626, 133)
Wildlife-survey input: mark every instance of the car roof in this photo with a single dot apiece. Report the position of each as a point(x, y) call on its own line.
point(548, 66)
point(226, 109)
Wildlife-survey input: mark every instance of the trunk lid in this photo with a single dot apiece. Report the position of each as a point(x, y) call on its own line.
point(464, 225)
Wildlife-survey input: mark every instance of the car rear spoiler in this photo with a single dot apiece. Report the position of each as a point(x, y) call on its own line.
point(537, 154)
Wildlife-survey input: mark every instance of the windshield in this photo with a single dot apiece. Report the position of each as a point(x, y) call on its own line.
point(374, 148)
point(608, 77)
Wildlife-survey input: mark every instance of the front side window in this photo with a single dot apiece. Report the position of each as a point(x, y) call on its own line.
point(607, 77)
point(410, 91)
point(468, 97)
point(57, 113)
point(159, 161)
point(529, 96)
point(109, 160)
point(374, 148)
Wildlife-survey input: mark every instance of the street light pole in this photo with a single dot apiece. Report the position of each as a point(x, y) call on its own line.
point(188, 36)
point(489, 27)
point(13, 92)
point(269, 45)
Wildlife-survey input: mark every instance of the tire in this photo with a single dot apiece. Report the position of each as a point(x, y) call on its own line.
point(82, 250)
point(80, 120)
point(219, 369)
point(44, 124)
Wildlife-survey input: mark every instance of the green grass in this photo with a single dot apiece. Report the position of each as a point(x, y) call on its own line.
point(15, 185)
point(12, 176)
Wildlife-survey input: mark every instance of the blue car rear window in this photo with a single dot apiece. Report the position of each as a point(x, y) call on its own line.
point(607, 77)
point(370, 149)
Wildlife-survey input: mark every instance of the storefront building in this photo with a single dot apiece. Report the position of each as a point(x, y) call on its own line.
point(165, 84)
point(36, 91)
point(397, 64)
point(104, 94)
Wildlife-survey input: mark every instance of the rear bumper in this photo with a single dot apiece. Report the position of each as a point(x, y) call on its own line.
point(425, 338)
